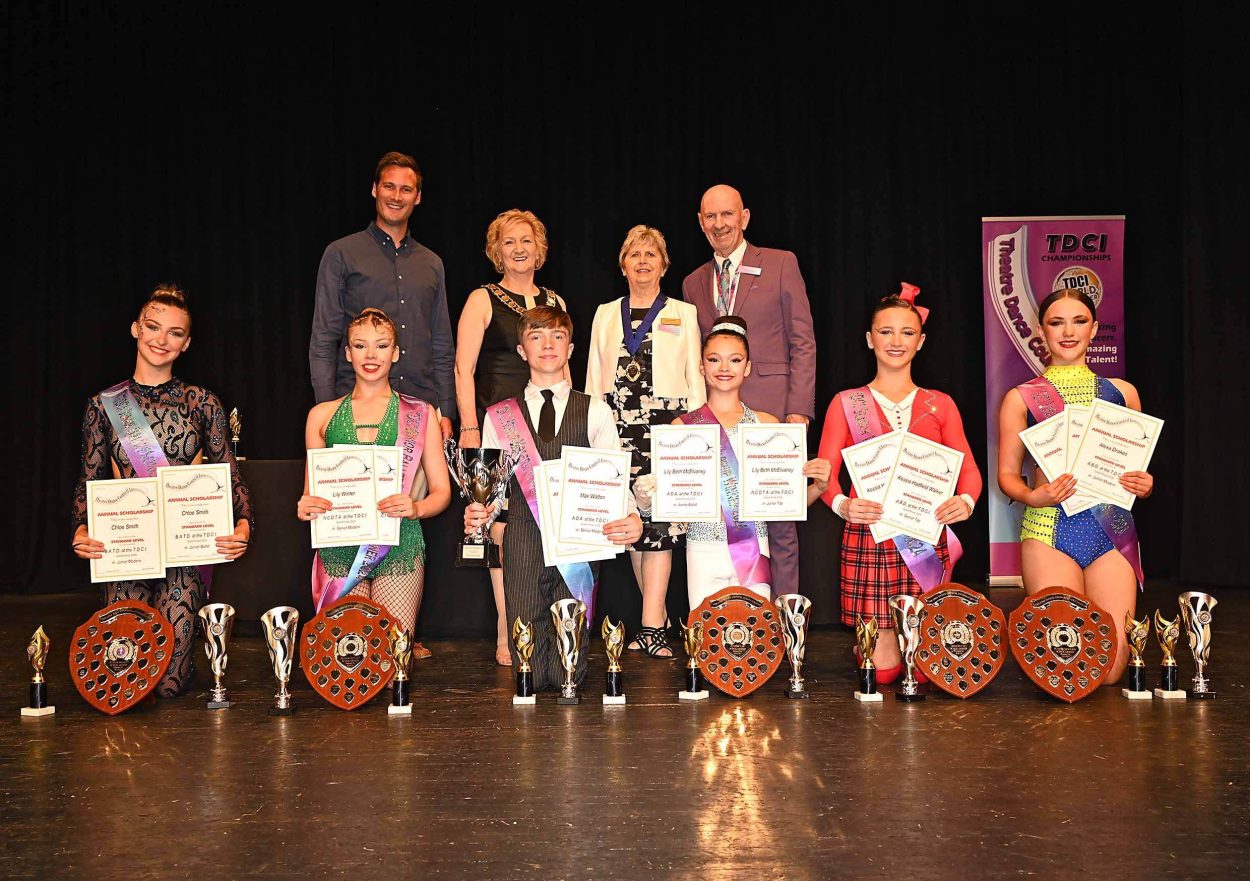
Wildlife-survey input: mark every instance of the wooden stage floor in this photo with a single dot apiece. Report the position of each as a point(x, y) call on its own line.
point(1008, 784)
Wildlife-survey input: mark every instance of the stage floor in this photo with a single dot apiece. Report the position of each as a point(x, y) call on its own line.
point(1010, 783)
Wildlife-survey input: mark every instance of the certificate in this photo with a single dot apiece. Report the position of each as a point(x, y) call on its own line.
point(547, 480)
point(1047, 443)
point(388, 481)
point(1116, 440)
point(924, 477)
point(125, 516)
point(1078, 418)
point(870, 464)
point(594, 484)
point(196, 507)
point(771, 485)
point(346, 479)
point(685, 460)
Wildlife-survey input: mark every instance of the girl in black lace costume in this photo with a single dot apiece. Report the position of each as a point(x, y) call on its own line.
point(190, 424)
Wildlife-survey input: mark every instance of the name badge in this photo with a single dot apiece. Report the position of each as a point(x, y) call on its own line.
point(673, 321)
point(750, 270)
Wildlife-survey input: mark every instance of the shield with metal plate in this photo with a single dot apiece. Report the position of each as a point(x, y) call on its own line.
point(963, 640)
point(345, 653)
point(119, 654)
point(742, 641)
point(1063, 642)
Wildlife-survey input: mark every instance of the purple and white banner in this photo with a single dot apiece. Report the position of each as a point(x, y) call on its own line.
point(1025, 258)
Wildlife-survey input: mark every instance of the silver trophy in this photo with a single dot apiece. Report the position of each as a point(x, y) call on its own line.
point(569, 618)
point(482, 476)
point(1196, 613)
point(909, 613)
point(794, 618)
point(280, 624)
point(218, 620)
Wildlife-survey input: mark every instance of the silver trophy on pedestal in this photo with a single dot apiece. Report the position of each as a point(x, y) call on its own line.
point(218, 620)
point(1196, 613)
point(482, 476)
point(569, 618)
point(909, 613)
point(280, 624)
point(794, 608)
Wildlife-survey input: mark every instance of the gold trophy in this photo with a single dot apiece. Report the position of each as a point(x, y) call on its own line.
point(401, 652)
point(1196, 613)
point(218, 619)
point(692, 636)
point(613, 643)
point(1136, 633)
point(37, 652)
point(523, 639)
point(236, 429)
point(568, 617)
point(1168, 633)
point(866, 639)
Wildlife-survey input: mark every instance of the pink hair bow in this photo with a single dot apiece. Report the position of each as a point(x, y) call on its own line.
point(909, 292)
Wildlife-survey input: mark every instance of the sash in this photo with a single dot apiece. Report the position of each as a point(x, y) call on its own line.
point(920, 557)
point(510, 425)
point(326, 590)
point(1044, 401)
point(751, 566)
point(634, 338)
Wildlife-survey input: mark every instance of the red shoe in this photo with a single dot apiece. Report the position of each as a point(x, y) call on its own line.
point(921, 679)
point(888, 674)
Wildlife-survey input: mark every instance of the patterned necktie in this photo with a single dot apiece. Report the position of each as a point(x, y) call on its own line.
point(547, 417)
point(725, 283)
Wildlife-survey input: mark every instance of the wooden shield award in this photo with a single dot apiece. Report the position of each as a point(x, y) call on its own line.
point(742, 644)
point(345, 653)
point(119, 654)
point(1063, 642)
point(963, 640)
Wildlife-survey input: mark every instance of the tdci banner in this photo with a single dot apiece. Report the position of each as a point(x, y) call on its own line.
point(1025, 258)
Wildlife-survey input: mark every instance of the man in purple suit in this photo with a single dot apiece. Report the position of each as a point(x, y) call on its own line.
point(765, 288)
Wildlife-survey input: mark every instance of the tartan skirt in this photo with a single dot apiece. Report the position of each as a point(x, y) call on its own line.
point(872, 573)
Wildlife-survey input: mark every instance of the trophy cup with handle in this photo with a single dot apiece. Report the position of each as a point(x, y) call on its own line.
point(482, 476)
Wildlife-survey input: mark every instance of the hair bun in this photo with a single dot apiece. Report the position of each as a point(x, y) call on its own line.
point(170, 290)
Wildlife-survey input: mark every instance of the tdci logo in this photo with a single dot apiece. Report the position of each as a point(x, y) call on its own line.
point(1093, 243)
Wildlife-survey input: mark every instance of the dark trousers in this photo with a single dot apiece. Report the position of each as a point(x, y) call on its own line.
point(783, 551)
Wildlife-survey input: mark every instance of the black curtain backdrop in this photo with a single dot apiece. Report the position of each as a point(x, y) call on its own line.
point(223, 149)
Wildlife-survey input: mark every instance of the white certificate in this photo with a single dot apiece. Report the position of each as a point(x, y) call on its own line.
point(870, 464)
point(346, 479)
point(924, 477)
point(685, 460)
point(595, 485)
point(547, 481)
point(771, 485)
point(1047, 443)
point(388, 481)
point(196, 507)
point(125, 516)
point(1078, 418)
point(1116, 440)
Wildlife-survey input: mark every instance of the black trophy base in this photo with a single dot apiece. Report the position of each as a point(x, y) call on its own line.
point(910, 698)
point(281, 711)
point(797, 695)
point(1136, 689)
point(616, 684)
point(694, 690)
point(38, 701)
point(399, 699)
point(1201, 695)
point(572, 701)
point(219, 705)
point(1170, 678)
point(475, 556)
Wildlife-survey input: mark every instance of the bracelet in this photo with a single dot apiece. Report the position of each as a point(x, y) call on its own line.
point(469, 428)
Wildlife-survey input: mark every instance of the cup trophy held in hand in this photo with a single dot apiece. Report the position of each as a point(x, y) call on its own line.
point(1196, 613)
point(794, 610)
point(909, 613)
point(1168, 633)
point(218, 621)
point(482, 476)
point(692, 638)
point(280, 625)
point(401, 652)
point(569, 618)
point(613, 644)
point(866, 641)
point(37, 653)
point(1136, 633)
point(523, 640)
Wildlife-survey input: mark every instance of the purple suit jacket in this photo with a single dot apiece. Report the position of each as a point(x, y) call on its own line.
point(779, 327)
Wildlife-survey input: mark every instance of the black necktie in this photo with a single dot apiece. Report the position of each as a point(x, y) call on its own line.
point(547, 417)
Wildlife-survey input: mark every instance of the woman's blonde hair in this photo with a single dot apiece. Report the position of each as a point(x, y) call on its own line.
point(495, 231)
point(644, 233)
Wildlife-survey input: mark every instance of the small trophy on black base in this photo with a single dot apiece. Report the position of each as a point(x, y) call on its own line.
point(569, 618)
point(794, 608)
point(1196, 613)
point(482, 476)
point(401, 652)
point(866, 639)
point(909, 612)
point(37, 652)
point(218, 620)
point(236, 429)
point(613, 643)
point(280, 625)
point(692, 638)
point(1168, 633)
point(523, 639)
point(1136, 633)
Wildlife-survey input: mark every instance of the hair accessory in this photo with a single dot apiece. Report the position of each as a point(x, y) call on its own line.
point(908, 293)
point(729, 326)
